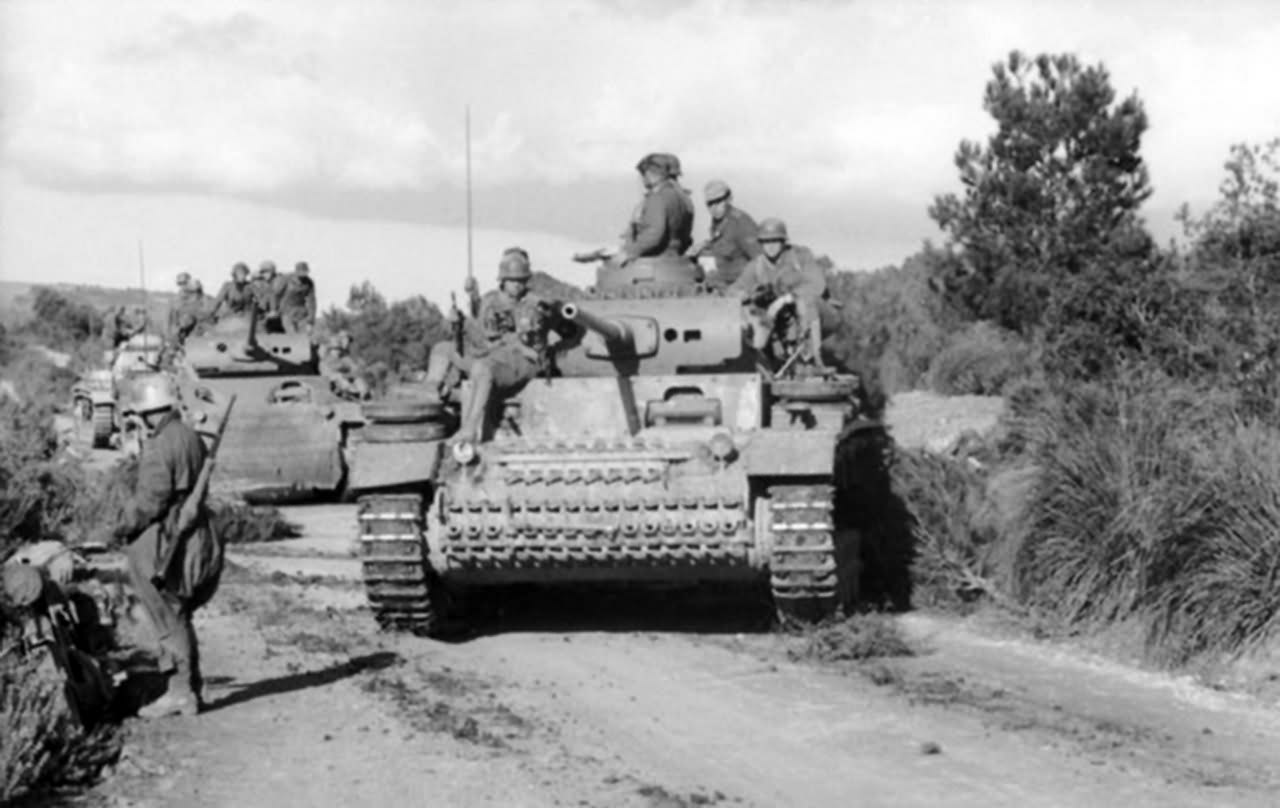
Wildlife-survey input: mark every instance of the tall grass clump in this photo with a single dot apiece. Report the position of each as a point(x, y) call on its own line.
point(1154, 505)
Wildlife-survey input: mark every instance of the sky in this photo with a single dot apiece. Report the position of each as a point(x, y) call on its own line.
point(139, 139)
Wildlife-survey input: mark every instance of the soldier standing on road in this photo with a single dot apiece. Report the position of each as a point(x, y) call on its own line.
point(733, 241)
point(236, 295)
point(515, 330)
point(168, 467)
point(298, 300)
point(665, 224)
point(792, 274)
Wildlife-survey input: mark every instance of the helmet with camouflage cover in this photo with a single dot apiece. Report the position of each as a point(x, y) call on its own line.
point(514, 265)
point(772, 230)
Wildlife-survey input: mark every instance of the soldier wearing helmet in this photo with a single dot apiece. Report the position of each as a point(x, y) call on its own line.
point(789, 274)
point(267, 287)
point(341, 369)
point(509, 349)
point(298, 300)
point(664, 225)
point(236, 295)
point(732, 241)
point(189, 310)
point(169, 465)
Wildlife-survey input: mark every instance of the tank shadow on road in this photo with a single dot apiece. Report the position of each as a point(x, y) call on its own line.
point(307, 679)
point(704, 610)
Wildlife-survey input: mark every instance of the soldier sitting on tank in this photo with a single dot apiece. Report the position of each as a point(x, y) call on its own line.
point(189, 311)
point(515, 324)
point(339, 367)
point(788, 276)
point(266, 298)
point(236, 295)
point(732, 241)
point(298, 300)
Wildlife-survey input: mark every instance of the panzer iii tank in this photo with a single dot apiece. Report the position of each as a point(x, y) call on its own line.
point(664, 446)
point(289, 434)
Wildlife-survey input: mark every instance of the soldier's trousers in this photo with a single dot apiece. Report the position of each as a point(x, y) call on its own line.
point(296, 321)
point(169, 612)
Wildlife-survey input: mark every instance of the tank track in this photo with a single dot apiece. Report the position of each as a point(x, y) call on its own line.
point(805, 566)
point(103, 425)
point(393, 553)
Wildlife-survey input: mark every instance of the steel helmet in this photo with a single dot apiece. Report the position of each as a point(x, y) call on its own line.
point(153, 391)
point(514, 266)
point(267, 267)
point(715, 191)
point(772, 230)
point(184, 278)
point(670, 163)
point(240, 269)
point(649, 161)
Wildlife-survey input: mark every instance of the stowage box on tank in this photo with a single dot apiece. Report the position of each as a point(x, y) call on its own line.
point(663, 448)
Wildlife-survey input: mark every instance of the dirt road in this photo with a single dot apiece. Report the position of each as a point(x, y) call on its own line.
point(659, 700)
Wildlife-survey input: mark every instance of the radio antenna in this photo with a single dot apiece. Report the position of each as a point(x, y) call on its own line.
point(468, 137)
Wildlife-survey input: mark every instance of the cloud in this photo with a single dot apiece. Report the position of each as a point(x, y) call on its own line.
point(842, 105)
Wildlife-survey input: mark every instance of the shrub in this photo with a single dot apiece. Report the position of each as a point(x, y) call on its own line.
point(982, 359)
point(950, 566)
point(43, 746)
point(1154, 506)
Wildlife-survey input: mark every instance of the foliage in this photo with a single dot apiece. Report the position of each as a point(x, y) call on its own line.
point(855, 639)
point(390, 340)
point(61, 322)
point(42, 744)
point(891, 324)
point(1054, 187)
point(1155, 506)
point(981, 359)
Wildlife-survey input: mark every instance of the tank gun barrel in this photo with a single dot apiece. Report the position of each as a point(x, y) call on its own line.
point(610, 330)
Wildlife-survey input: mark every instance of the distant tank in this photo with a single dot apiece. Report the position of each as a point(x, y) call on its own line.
point(96, 395)
point(289, 434)
point(665, 447)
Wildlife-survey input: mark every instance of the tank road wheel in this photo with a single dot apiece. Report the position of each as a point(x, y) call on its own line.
point(401, 586)
point(813, 568)
point(104, 422)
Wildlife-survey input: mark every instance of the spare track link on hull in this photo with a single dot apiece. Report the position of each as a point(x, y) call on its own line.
point(393, 555)
point(804, 568)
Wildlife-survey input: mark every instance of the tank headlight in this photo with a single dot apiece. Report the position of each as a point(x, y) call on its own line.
point(721, 446)
point(464, 452)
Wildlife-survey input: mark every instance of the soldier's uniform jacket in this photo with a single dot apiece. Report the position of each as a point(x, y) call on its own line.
point(796, 272)
point(237, 298)
point(732, 243)
point(298, 295)
point(665, 226)
point(188, 311)
point(510, 322)
point(266, 294)
point(167, 471)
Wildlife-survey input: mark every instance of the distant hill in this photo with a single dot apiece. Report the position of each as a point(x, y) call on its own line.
point(16, 297)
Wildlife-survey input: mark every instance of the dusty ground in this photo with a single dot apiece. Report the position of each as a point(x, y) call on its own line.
point(663, 700)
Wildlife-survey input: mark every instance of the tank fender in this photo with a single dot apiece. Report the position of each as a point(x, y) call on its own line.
point(381, 465)
point(790, 452)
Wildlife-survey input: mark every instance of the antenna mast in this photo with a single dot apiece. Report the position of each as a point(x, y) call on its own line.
point(142, 280)
point(468, 134)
